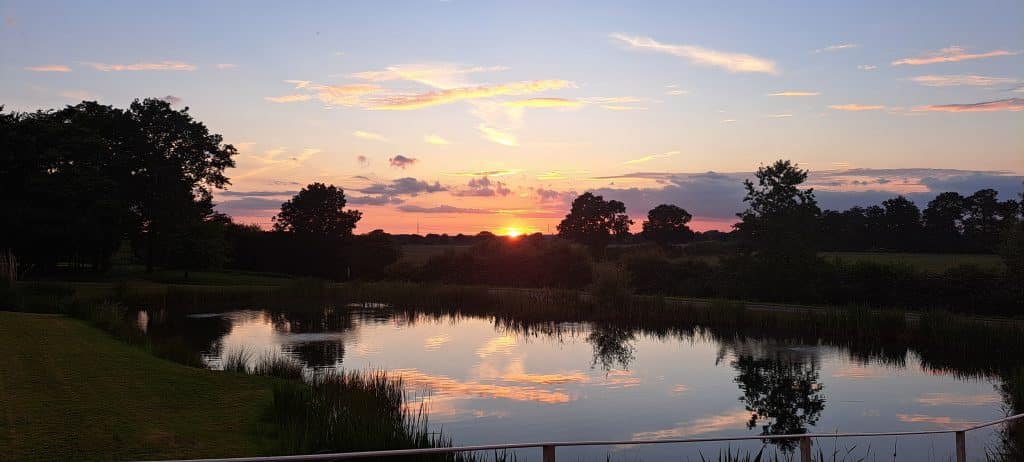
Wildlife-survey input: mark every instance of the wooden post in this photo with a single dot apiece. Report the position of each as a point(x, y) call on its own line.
point(805, 449)
point(549, 453)
point(961, 446)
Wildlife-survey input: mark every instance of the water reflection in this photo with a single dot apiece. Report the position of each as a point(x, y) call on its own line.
point(783, 394)
point(613, 347)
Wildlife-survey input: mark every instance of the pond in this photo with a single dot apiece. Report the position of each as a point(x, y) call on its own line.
point(483, 381)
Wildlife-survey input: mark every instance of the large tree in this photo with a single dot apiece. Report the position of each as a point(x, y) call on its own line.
point(986, 218)
point(317, 210)
point(902, 224)
point(780, 219)
point(667, 224)
point(595, 222)
point(943, 218)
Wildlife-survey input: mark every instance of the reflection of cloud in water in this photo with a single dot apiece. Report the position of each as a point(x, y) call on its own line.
point(446, 409)
point(516, 372)
point(942, 421)
point(736, 419)
point(436, 342)
point(448, 386)
point(497, 345)
point(940, 399)
point(678, 390)
point(620, 379)
point(860, 372)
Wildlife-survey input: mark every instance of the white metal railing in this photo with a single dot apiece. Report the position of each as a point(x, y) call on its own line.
point(548, 448)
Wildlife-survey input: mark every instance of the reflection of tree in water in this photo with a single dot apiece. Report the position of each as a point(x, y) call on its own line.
point(782, 393)
point(311, 321)
point(612, 346)
point(317, 354)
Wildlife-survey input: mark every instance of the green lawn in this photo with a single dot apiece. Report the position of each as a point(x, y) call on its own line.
point(933, 262)
point(70, 392)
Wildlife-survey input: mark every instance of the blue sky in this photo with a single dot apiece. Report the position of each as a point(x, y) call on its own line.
point(515, 102)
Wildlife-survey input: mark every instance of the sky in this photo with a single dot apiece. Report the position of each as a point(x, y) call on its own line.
point(462, 116)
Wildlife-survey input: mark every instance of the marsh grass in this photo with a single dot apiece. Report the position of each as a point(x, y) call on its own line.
point(237, 361)
point(280, 366)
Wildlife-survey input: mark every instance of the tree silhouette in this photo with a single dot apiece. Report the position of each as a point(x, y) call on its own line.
point(783, 395)
point(780, 217)
point(317, 210)
point(595, 222)
point(943, 219)
point(667, 224)
point(902, 224)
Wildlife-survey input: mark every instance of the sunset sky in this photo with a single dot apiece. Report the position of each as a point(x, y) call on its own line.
point(461, 116)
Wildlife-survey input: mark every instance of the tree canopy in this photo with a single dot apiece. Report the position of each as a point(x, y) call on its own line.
point(667, 224)
point(317, 210)
point(595, 222)
point(780, 217)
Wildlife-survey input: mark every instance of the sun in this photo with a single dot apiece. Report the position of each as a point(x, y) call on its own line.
point(512, 231)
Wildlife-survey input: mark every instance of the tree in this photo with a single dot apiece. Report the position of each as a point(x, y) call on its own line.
point(986, 218)
point(942, 222)
point(902, 224)
point(595, 222)
point(780, 219)
point(317, 210)
point(666, 225)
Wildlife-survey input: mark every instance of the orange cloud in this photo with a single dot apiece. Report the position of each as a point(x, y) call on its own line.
point(651, 157)
point(950, 55)
point(448, 386)
point(288, 98)
point(498, 136)
point(49, 68)
point(441, 75)
point(434, 98)
point(795, 93)
point(1009, 104)
point(732, 62)
point(958, 80)
point(435, 139)
point(733, 420)
point(160, 66)
point(856, 107)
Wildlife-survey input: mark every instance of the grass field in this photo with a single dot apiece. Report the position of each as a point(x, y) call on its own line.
point(933, 262)
point(71, 392)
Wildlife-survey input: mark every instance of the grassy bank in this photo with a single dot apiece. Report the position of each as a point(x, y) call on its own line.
point(69, 391)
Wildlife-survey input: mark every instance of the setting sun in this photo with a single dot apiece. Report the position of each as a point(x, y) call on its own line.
point(512, 231)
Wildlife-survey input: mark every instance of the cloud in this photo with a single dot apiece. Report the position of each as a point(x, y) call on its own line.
point(295, 97)
point(651, 157)
point(1009, 104)
point(226, 66)
point(950, 55)
point(160, 66)
point(544, 102)
point(400, 161)
point(616, 107)
point(249, 206)
point(49, 68)
point(713, 423)
point(363, 160)
point(441, 209)
point(437, 75)
point(867, 67)
point(172, 100)
point(369, 135)
point(795, 93)
point(403, 187)
point(841, 46)
point(502, 172)
point(960, 80)
point(343, 95)
point(498, 136)
point(779, 116)
point(947, 399)
point(676, 92)
point(435, 139)
point(257, 193)
point(727, 121)
point(856, 107)
point(550, 195)
point(79, 95)
point(484, 187)
point(374, 200)
point(732, 62)
point(447, 96)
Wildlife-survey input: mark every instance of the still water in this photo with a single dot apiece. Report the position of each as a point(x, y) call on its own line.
point(483, 383)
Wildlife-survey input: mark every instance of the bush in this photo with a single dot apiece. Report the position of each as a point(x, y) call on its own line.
point(611, 287)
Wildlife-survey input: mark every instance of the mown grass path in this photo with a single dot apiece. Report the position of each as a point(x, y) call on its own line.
point(71, 392)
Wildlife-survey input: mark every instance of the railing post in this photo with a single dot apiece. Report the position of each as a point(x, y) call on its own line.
point(961, 446)
point(805, 449)
point(549, 453)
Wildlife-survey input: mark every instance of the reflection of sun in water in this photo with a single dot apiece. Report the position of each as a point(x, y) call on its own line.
point(512, 231)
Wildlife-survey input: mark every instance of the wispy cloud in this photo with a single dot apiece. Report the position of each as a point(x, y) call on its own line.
point(435, 139)
point(484, 187)
point(159, 66)
point(841, 46)
point(950, 55)
point(498, 136)
point(618, 107)
point(292, 98)
point(226, 66)
point(727, 121)
point(434, 98)
point(544, 102)
point(732, 62)
point(867, 67)
point(78, 95)
point(676, 92)
point(856, 107)
point(437, 75)
point(501, 172)
point(49, 68)
point(962, 80)
point(779, 116)
point(449, 209)
point(1008, 104)
point(402, 162)
point(651, 157)
point(369, 135)
point(795, 93)
point(343, 95)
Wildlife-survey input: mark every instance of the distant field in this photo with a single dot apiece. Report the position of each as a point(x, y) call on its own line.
point(935, 262)
point(420, 253)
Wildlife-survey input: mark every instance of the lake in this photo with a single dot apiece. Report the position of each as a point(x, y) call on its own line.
point(484, 381)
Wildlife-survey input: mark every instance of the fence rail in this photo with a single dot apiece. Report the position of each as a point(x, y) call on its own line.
point(548, 448)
